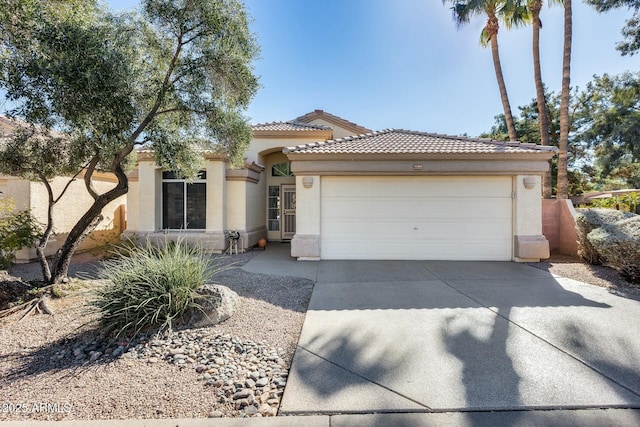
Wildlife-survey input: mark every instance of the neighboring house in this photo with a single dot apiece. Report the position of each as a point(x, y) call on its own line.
point(589, 198)
point(32, 195)
point(337, 190)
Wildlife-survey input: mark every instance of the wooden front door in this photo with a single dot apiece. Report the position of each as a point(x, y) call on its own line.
point(288, 214)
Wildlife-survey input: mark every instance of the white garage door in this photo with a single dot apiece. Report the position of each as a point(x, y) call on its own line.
point(437, 218)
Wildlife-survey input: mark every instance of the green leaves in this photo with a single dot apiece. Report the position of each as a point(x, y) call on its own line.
point(17, 230)
point(631, 29)
point(610, 124)
point(175, 78)
point(111, 82)
point(150, 286)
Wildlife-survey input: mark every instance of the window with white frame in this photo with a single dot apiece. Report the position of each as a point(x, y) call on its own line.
point(274, 208)
point(184, 204)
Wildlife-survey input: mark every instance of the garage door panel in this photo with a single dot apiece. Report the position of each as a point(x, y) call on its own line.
point(416, 218)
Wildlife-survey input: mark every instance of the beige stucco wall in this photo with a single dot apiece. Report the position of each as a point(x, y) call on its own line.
point(236, 205)
point(529, 242)
point(338, 132)
point(66, 213)
point(256, 200)
point(261, 147)
point(73, 204)
point(149, 190)
point(558, 226)
point(133, 204)
point(3, 186)
point(527, 206)
point(306, 243)
point(216, 195)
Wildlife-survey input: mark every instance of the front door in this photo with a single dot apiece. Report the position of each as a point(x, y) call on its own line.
point(288, 213)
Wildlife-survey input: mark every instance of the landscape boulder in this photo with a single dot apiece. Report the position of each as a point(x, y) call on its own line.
point(216, 304)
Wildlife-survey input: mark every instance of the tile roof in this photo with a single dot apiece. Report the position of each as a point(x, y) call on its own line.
point(400, 141)
point(332, 118)
point(292, 125)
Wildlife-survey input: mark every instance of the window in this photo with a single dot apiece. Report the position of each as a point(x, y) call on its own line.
point(184, 204)
point(281, 169)
point(273, 213)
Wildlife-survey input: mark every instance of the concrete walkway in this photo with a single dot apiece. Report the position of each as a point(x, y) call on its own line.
point(458, 338)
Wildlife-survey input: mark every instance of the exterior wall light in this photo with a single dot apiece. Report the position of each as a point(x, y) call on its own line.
point(529, 182)
point(307, 181)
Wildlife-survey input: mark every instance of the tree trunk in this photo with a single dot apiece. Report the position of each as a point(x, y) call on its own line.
point(563, 180)
point(543, 117)
point(85, 226)
point(44, 239)
point(503, 89)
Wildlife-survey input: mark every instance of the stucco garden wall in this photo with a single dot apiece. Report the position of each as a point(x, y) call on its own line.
point(558, 226)
point(66, 213)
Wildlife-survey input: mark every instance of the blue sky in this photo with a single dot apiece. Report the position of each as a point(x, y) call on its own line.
point(404, 64)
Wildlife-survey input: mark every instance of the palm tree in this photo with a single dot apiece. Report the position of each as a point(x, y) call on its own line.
point(511, 13)
point(563, 179)
point(534, 8)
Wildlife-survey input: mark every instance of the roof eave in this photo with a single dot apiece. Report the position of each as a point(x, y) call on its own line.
point(533, 156)
point(319, 134)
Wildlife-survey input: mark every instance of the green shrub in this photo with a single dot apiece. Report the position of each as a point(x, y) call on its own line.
point(618, 245)
point(150, 286)
point(588, 220)
point(17, 230)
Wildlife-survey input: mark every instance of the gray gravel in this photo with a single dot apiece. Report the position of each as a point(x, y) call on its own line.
point(237, 368)
point(598, 275)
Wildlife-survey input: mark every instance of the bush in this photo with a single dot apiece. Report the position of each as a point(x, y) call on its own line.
point(150, 286)
point(618, 245)
point(588, 220)
point(17, 230)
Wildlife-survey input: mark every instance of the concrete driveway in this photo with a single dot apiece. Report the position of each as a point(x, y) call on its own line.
point(436, 336)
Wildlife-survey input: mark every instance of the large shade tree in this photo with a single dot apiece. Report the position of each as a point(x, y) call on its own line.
point(609, 124)
point(631, 30)
point(510, 13)
point(95, 85)
point(528, 129)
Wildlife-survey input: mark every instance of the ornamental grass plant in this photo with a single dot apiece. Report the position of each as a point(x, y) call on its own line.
point(150, 286)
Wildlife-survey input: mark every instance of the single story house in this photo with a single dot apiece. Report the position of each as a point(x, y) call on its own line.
point(337, 190)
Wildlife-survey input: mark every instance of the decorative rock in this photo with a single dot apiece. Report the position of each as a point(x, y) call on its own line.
point(216, 305)
point(262, 382)
point(246, 377)
point(242, 394)
point(250, 410)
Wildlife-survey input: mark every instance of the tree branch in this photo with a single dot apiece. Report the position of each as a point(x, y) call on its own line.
point(161, 94)
point(66, 187)
point(87, 177)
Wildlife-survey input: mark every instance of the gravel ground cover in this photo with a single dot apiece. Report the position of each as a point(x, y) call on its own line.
point(598, 275)
point(61, 367)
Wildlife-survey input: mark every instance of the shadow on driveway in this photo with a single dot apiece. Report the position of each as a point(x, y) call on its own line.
point(461, 337)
